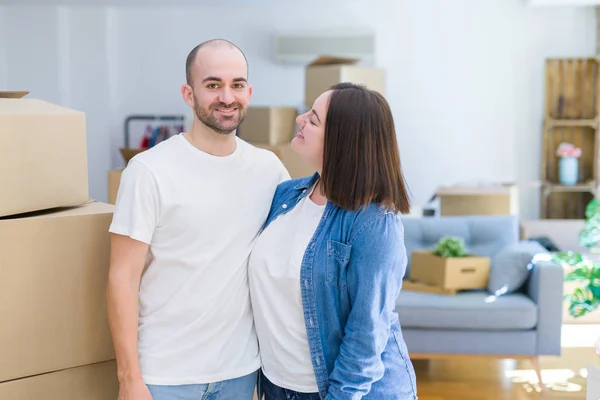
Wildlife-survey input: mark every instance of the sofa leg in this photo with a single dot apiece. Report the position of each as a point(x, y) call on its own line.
point(535, 361)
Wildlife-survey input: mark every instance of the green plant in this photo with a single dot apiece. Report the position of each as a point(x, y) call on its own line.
point(586, 297)
point(450, 246)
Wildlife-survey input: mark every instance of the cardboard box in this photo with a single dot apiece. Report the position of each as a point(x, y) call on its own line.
point(54, 271)
point(471, 272)
point(479, 200)
point(128, 153)
point(43, 155)
point(89, 382)
point(269, 125)
point(114, 180)
point(296, 166)
point(325, 72)
point(414, 286)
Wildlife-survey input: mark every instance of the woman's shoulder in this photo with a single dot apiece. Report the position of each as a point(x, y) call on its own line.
point(375, 219)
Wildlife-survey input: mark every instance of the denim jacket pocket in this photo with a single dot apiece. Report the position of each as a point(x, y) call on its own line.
point(338, 255)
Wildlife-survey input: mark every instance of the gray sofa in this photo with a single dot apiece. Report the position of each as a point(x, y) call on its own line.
point(525, 323)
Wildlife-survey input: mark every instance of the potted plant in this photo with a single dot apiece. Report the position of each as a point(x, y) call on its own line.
point(449, 266)
point(450, 246)
point(567, 164)
point(585, 271)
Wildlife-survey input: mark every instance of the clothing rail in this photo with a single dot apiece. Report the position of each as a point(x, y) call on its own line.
point(131, 118)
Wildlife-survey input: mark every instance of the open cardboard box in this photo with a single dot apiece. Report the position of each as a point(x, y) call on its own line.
point(129, 153)
point(456, 273)
point(13, 94)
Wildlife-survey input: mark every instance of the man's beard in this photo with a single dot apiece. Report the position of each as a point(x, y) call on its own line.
point(227, 124)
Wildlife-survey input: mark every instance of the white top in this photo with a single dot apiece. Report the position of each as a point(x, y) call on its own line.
point(201, 215)
point(274, 274)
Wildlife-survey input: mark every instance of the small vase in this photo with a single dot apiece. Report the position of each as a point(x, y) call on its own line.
point(567, 171)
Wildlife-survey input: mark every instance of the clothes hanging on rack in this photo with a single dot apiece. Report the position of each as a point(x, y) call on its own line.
point(158, 128)
point(158, 133)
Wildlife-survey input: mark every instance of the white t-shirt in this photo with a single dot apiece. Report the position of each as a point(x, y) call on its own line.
point(274, 275)
point(201, 215)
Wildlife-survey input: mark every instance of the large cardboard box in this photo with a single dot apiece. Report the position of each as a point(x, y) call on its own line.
point(296, 166)
point(54, 271)
point(43, 155)
point(458, 273)
point(269, 125)
point(114, 180)
point(89, 382)
point(325, 72)
point(479, 200)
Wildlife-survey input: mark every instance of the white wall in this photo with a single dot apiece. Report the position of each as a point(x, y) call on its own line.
point(465, 77)
point(59, 55)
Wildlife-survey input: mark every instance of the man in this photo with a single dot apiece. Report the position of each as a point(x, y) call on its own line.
point(186, 216)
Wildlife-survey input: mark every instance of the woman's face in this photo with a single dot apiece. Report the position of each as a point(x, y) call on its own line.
point(309, 140)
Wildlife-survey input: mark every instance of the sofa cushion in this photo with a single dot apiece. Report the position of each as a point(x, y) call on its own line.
point(510, 267)
point(484, 235)
point(472, 310)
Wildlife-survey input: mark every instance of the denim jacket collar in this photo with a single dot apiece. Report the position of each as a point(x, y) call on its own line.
point(305, 183)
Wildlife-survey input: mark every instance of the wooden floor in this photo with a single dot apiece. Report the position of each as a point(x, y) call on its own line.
point(474, 378)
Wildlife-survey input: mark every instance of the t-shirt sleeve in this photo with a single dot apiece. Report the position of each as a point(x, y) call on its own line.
point(136, 211)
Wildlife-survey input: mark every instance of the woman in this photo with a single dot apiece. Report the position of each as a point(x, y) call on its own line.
point(328, 266)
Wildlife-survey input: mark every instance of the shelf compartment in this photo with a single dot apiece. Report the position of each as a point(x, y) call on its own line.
point(572, 87)
point(565, 205)
point(582, 137)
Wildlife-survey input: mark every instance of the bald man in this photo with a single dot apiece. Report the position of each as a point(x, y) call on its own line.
point(187, 213)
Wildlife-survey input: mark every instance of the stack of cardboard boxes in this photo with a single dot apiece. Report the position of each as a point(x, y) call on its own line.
point(273, 128)
point(54, 256)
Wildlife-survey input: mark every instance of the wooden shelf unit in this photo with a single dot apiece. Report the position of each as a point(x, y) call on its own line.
point(572, 114)
point(572, 87)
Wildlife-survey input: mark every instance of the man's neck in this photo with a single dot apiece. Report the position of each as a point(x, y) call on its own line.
point(211, 142)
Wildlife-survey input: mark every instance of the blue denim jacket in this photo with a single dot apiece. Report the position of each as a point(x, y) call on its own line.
point(350, 278)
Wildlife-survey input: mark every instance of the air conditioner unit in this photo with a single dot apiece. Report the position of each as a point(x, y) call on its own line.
point(302, 48)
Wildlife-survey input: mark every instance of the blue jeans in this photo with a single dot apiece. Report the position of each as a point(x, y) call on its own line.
point(234, 389)
point(274, 392)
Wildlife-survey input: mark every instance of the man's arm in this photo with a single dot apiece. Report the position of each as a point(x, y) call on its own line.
point(135, 219)
point(126, 265)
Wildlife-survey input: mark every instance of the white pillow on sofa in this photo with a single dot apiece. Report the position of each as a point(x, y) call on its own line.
point(511, 266)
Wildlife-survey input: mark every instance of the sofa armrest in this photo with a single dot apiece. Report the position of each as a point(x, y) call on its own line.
point(545, 288)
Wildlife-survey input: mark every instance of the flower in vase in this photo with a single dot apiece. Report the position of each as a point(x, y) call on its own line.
point(568, 150)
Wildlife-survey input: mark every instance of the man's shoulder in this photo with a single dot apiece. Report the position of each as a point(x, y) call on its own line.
point(153, 157)
point(257, 151)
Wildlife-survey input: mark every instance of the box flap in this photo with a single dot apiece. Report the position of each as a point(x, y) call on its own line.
point(13, 106)
point(333, 60)
point(476, 188)
point(13, 95)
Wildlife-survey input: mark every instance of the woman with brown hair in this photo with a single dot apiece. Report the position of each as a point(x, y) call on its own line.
point(328, 265)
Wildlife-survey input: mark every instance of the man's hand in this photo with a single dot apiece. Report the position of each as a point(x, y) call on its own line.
point(134, 390)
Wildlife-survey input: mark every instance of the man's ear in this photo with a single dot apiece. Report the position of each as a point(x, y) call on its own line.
point(188, 95)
